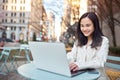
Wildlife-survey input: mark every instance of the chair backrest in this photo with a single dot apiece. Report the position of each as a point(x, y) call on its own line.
point(112, 64)
point(5, 52)
point(24, 46)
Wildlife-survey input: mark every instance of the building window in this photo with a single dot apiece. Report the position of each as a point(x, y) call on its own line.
point(3, 7)
point(21, 1)
point(23, 14)
point(14, 21)
point(15, 14)
point(13, 36)
point(24, 8)
point(20, 28)
point(6, 20)
point(3, 1)
point(23, 21)
point(20, 8)
point(6, 14)
point(15, 1)
point(6, 27)
point(6, 1)
point(12, 8)
point(11, 14)
point(24, 1)
point(2, 20)
point(11, 28)
point(19, 21)
point(6, 7)
point(20, 14)
point(14, 28)
point(15, 7)
point(11, 20)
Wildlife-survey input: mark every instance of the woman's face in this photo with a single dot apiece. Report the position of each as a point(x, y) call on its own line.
point(87, 27)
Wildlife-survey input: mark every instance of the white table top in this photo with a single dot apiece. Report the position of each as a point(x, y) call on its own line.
point(9, 47)
point(31, 72)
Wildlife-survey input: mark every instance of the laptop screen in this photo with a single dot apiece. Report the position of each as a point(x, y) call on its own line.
point(50, 56)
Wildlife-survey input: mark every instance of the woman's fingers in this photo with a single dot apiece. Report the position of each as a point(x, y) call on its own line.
point(73, 67)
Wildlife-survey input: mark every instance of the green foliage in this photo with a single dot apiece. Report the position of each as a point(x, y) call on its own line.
point(115, 50)
point(23, 42)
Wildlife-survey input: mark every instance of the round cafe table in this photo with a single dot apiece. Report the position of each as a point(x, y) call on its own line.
point(30, 71)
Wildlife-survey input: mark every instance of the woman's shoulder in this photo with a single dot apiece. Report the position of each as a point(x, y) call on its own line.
point(105, 39)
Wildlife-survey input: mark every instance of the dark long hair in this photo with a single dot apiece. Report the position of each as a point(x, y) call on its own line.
point(97, 34)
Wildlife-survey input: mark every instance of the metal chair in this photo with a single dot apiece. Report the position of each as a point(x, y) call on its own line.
point(4, 58)
point(112, 64)
point(23, 48)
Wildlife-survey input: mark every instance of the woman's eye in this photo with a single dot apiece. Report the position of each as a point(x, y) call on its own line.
point(81, 26)
point(87, 25)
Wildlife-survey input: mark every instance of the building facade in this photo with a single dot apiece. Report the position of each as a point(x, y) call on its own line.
point(72, 12)
point(37, 23)
point(41, 23)
point(51, 27)
point(16, 14)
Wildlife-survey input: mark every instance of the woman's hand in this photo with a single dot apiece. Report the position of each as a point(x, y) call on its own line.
point(73, 67)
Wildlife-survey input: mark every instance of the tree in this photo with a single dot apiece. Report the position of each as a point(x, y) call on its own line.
point(107, 9)
point(34, 36)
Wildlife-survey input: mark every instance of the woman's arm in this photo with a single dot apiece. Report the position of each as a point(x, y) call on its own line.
point(71, 55)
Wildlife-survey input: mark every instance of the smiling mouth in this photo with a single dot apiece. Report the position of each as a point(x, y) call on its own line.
point(85, 32)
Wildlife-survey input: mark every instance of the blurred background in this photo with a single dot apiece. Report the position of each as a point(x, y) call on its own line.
point(55, 20)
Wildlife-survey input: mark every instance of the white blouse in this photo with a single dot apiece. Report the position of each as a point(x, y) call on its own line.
point(87, 57)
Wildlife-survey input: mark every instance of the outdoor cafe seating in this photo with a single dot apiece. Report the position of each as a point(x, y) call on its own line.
point(9, 54)
point(4, 58)
point(24, 48)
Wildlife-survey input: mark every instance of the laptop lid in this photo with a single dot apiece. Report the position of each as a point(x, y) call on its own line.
point(50, 57)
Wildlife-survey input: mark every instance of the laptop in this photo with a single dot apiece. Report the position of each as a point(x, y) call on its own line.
point(51, 57)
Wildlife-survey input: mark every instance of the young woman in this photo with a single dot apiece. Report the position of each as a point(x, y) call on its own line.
point(90, 49)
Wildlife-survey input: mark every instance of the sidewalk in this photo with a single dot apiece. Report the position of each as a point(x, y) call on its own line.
point(13, 75)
